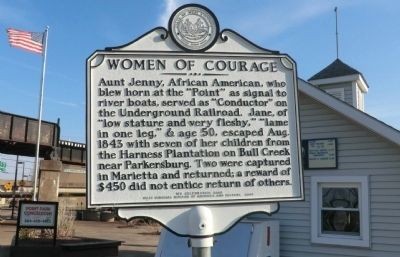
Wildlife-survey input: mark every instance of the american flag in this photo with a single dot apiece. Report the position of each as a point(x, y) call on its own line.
point(31, 41)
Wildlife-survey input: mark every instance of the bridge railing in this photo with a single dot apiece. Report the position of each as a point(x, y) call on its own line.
point(18, 135)
point(72, 152)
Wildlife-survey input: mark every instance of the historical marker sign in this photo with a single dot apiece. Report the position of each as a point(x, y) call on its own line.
point(177, 128)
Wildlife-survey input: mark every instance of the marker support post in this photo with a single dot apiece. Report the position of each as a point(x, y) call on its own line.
point(201, 251)
point(201, 224)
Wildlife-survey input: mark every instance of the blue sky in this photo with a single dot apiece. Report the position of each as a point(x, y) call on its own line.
point(369, 42)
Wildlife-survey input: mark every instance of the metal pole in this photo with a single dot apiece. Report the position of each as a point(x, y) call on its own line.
point(201, 247)
point(23, 171)
point(22, 183)
point(201, 251)
point(13, 203)
point(337, 35)
point(201, 224)
point(40, 117)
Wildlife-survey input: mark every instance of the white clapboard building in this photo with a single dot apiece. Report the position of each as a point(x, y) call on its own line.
point(352, 204)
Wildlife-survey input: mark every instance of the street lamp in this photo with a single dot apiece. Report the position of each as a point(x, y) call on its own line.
point(23, 173)
point(14, 203)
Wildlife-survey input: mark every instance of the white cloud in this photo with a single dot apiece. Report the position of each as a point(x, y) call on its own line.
point(20, 64)
point(56, 101)
point(29, 94)
point(12, 16)
point(37, 68)
point(277, 18)
point(169, 7)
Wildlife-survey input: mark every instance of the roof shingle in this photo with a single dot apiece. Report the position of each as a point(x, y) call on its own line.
point(335, 69)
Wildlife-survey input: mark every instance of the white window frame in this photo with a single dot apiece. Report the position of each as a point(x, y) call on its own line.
point(358, 96)
point(361, 182)
point(360, 102)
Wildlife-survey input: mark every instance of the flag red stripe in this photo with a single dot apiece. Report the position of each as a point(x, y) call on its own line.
point(20, 36)
point(27, 48)
point(22, 44)
point(26, 40)
point(13, 31)
point(29, 42)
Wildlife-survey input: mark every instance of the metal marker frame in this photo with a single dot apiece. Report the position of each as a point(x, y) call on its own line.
point(99, 56)
point(199, 220)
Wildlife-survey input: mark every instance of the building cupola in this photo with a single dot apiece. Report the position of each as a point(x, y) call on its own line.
point(342, 81)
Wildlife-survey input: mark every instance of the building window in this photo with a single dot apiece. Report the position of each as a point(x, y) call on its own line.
point(340, 214)
point(340, 210)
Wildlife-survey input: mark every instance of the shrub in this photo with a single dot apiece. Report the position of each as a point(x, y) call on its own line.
point(65, 221)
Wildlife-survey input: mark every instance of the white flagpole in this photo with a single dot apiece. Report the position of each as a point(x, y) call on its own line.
point(35, 183)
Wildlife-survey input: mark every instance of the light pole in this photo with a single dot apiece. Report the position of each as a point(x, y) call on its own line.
point(13, 203)
point(22, 182)
point(23, 173)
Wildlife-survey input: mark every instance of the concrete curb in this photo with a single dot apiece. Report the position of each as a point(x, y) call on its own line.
point(8, 222)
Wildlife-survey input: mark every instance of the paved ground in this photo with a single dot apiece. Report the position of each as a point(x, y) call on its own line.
point(138, 240)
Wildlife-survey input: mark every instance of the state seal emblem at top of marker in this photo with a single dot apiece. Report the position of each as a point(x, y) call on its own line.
point(194, 27)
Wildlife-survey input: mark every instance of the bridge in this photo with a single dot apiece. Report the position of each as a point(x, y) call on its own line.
point(18, 135)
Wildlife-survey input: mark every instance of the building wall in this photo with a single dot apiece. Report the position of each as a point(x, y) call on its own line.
point(72, 180)
point(74, 202)
point(348, 91)
point(360, 152)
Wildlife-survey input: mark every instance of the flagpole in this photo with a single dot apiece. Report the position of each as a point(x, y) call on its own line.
point(35, 183)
